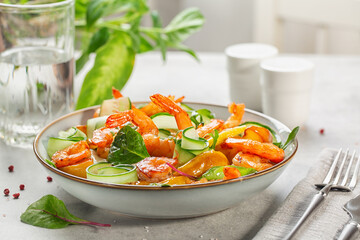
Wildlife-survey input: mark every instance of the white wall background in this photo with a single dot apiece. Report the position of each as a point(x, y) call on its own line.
point(232, 21)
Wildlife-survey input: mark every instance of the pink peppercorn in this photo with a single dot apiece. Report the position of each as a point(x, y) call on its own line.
point(22, 186)
point(16, 195)
point(49, 179)
point(11, 168)
point(6, 192)
point(322, 131)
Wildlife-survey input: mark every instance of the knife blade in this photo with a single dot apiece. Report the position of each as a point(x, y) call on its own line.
point(351, 229)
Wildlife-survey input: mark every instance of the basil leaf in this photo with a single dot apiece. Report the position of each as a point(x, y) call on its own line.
point(184, 24)
point(112, 68)
point(290, 138)
point(128, 147)
point(50, 212)
point(217, 173)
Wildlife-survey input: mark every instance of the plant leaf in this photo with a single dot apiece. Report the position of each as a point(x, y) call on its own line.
point(81, 61)
point(102, 8)
point(112, 68)
point(50, 212)
point(160, 38)
point(291, 137)
point(80, 8)
point(184, 24)
point(128, 147)
point(186, 49)
point(98, 40)
point(145, 45)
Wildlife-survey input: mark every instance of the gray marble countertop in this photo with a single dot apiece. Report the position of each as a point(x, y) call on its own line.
point(335, 107)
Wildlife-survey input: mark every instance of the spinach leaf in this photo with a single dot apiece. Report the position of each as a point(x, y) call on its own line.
point(113, 66)
point(50, 212)
point(290, 138)
point(128, 147)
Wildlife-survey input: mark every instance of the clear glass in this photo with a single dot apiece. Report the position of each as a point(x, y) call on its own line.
point(36, 66)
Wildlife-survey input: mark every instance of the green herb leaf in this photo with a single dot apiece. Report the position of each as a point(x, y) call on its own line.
point(184, 24)
point(215, 136)
point(217, 173)
point(113, 66)
point(50, 163)
point(50, 212)
point(291, 137)
point(128, 147)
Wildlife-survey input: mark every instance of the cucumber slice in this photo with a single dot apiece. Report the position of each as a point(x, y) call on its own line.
point(112, 106)
point(164, 120)
point(197, 152)
point(191, 140)
point(72, 134)
point(186, 107)
point(104, 172)
point(182, 155)
point(201, 116)
point(95, 123)
point(56, 144)
point(163, 133)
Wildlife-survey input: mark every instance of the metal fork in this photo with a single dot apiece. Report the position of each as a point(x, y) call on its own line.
point(331, 183)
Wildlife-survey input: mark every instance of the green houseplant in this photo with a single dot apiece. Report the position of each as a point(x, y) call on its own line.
point(112, 30)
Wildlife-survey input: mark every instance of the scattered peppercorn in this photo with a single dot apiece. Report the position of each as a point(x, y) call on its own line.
point(16, 195)
point(6, 192)
point(11, 168)
point(49, 179)
point(22, 186)
point(322, 131)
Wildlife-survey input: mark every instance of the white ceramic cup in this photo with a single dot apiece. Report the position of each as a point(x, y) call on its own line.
point(286, 84)
point(243, 65)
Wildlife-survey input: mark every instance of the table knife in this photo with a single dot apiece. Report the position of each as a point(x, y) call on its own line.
point(352, 227)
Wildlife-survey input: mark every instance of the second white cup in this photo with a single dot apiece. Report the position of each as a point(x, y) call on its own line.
point(286, 84)
point(243, 65)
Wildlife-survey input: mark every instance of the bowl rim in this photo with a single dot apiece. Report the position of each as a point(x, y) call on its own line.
point(147, 187)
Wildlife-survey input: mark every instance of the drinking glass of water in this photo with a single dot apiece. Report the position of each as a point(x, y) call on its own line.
point(36, 66)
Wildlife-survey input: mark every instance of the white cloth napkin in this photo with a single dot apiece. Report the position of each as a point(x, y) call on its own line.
point(325, 222)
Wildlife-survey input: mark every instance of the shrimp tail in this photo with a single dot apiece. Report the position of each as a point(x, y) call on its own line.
point(182, 118)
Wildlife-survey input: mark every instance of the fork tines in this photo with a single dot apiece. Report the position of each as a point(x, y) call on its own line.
point(347, 162)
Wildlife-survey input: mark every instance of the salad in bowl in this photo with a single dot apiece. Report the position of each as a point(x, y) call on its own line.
point(164, 158)
point(164, 143)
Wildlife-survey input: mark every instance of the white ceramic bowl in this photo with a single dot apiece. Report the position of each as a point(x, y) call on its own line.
point(163, 202)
